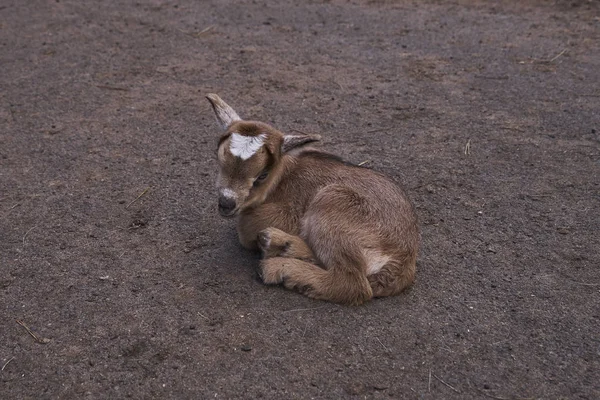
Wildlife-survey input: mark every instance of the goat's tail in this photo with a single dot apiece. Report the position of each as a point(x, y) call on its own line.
point(393, 278)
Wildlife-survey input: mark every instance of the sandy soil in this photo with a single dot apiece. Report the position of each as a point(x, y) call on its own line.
point(111, 247)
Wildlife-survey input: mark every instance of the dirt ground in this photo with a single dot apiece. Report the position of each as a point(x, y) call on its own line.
point(113, 254)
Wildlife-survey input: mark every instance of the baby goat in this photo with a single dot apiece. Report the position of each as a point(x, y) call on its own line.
point(328, 229)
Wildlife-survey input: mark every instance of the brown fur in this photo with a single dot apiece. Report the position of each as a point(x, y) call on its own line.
point(328, 229)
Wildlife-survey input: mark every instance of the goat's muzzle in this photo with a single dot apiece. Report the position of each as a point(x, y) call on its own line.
point(227, 206)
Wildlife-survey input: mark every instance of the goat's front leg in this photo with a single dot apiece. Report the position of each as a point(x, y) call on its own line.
point(274, 242)
point(272, 215)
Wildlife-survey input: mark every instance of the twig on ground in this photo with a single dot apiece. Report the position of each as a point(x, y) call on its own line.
point(38, 339)
point(468, 148)
point(301, 131)
point(511, 128)
point(123, 89)
point(303, 309)
point(584, 283)
point(499, 77)
point(542, 61)
point(137, 198)
point(429, 384)
point(205, 30)
point(337, 83)
point(491, 396)
point(425, 184)
point(377, 130)
point(198, 34)
point(558, 55)
point(6, 363)
point(363, 163)
point(27, 233)
point(10, 210)
point(305, 328)
point(447, 384)
point(381, 343)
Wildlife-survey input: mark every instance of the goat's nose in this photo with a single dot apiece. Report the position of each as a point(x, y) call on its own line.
point(226, 204)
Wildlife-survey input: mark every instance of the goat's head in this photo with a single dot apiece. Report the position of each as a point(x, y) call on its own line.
point(249, 156)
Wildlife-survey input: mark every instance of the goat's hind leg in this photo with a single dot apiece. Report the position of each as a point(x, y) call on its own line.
point(274, 242)
point(316, 282)
point(343, 278)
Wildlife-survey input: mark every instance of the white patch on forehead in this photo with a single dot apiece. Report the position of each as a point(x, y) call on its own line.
point(228, 193)
point(245, 147)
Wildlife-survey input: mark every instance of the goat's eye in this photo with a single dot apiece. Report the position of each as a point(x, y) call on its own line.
point(259, 179)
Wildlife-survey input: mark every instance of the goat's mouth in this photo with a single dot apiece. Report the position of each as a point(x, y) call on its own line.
point(228, 213)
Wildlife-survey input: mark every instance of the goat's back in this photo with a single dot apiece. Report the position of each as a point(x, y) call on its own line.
point(378, 202)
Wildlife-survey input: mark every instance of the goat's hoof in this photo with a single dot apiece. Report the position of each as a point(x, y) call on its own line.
point(264, 240)
point(271, 271)
point(272, 242)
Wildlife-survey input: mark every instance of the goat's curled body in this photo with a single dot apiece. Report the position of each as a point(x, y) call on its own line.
point(347, 233)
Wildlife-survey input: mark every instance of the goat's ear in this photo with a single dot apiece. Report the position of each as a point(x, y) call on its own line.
point(291, 142)
point(225, 114)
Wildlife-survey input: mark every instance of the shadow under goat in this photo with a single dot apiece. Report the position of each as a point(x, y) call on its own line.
point(330, 230)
